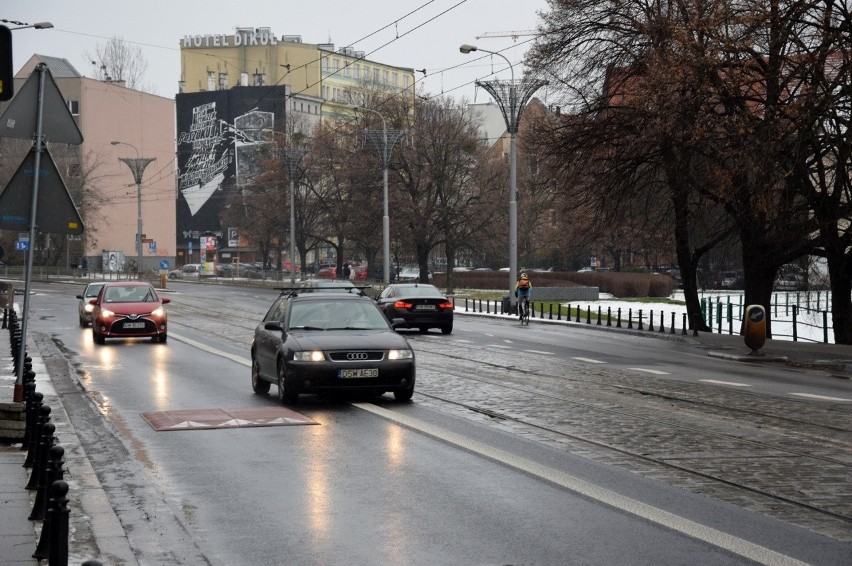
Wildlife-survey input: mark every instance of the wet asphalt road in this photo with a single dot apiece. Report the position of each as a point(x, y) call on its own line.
point(485, 467)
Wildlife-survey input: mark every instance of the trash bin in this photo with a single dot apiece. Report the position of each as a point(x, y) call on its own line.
point(754, 327)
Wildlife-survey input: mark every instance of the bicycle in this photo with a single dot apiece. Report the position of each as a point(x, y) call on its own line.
point(524, 310)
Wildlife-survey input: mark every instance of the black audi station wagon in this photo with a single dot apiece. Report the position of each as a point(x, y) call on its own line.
point(316, 342)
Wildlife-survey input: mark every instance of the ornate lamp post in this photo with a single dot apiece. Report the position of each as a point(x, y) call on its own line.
point(383, 141)
point(511, 105)
point(137, 167)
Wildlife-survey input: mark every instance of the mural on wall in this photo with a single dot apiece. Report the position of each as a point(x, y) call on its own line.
point(220, 136)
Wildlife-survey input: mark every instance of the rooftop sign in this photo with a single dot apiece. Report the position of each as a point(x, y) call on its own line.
point(243, 37)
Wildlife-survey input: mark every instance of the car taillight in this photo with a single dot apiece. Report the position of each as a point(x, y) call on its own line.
point(402, 305)
point(445, 305)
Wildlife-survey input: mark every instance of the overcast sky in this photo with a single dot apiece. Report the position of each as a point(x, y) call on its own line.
point(418, 34)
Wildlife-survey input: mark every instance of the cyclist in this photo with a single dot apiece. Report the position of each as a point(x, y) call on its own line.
point(522, 290)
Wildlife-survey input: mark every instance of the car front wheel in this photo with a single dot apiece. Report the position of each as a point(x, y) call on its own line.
point(403, 395)
point(447, 328)
point(258, 385)
point(99, 338)
point(285, 395)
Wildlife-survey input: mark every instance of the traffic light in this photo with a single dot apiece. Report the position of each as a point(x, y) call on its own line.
point(7, 83)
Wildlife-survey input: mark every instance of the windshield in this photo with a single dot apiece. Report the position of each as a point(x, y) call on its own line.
point(336, 315)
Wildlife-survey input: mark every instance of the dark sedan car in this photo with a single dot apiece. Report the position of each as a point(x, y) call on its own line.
point(420, 305)
point(319, 342)
point(129, 309)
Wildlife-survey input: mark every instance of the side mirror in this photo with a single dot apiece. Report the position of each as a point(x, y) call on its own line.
point(93, 301)
point(165, 300)
point(397, 322)
point(79, 296)
point(273, 325)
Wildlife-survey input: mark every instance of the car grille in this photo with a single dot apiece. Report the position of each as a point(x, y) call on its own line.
point(357, 356)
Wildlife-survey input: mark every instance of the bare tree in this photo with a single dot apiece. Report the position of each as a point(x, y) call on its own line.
point(118, 60)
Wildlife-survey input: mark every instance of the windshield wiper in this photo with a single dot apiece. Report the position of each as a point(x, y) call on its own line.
point(306, 328)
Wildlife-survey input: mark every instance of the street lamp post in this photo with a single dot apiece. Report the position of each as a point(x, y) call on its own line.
point(292, 158)
point(37, 25)
point(384, 146)
point(137, 166)
point(511, 107)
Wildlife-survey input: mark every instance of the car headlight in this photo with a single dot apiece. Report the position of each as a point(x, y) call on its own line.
point(400, 354)
point(159, 311)
point(107, 313)
point(89, 308)
point(309, 356)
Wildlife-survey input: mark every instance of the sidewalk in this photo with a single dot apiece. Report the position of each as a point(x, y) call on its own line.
point(95, 531)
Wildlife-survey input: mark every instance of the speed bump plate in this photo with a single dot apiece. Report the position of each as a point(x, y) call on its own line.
point(195, 419)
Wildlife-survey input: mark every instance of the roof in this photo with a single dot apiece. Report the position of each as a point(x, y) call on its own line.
point(60, 68)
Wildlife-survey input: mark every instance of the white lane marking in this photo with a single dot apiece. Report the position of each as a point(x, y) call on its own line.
point(206, 348)
point(502, 346)
point(666, 519)
point(464, 341)
point(731, 383)
point(589, 360)
point(508, 341)
point(540, 352)
point(654, 371)
point(821, 397)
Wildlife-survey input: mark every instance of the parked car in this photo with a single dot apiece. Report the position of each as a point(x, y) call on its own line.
point(419, 305)
point(84, 306)
point(791, 282)
point(324, 342)
point(129, 309)
point(732, 280)
point(188, 271)
point(407, 274)
point(327, 272)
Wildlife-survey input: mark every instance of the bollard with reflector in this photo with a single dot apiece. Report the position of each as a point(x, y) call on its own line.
point(754, 327)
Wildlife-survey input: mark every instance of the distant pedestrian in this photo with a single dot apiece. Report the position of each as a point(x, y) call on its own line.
point(346, 271)
point(85, 266)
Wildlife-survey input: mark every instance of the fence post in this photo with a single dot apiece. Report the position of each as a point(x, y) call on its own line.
point(825, 326)
point(719, 316)
point(588, 314)
point(465, 305)
point(730, 318)
point(488, 306)
point(683, 329)
point(559, 311)
point(795, 312)
point(550, 311)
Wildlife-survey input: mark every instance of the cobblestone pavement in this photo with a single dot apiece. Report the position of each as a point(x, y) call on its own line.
point(788, 459)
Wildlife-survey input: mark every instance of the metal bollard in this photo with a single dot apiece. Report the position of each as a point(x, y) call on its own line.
point(5, 317)
point(55, 474)
point(40, 473)
point(609, 316)
point(662, 321)
point(33, 402)
point(640, 320)
point(650, 321)
point(42, 417)
point(599, 315)
point(630, 318)
point(618, 320)
point(58, 553)
point(672, 330)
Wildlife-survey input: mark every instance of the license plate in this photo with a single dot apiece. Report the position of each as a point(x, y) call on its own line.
point(134, 325)
point(370, 372)
point(425, 307)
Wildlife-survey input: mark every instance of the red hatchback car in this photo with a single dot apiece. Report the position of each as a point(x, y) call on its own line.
point(129, 309)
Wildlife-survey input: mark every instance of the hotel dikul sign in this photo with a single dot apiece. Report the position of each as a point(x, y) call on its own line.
point(243, 37)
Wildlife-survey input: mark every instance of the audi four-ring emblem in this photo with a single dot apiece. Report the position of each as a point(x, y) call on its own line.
point(356, 356)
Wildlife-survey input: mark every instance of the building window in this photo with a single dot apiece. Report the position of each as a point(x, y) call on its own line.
point(326, 91)
point(396, 79)
point(336, 65)
point(223, 81)
point(325, 64)
point(301, 107)
point(386, 76)
point(74, 107)
point(375, 75)
point(407, 80)
point(366, 72)
point(346, 69)
point(211, 80)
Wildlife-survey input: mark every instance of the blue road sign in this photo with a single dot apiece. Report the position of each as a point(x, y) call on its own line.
point(164, 264)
